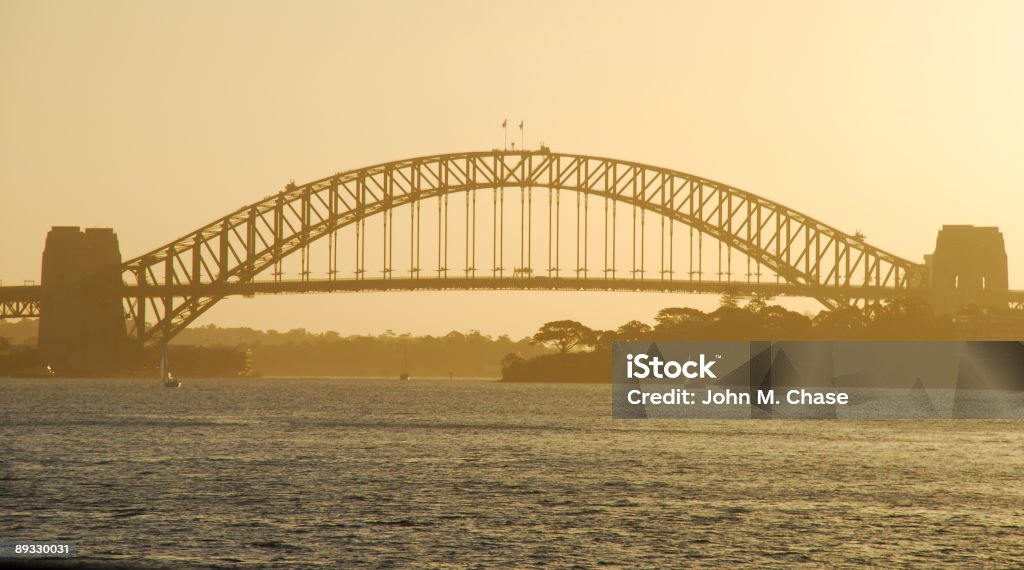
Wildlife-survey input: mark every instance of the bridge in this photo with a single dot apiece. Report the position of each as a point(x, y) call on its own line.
point(499, 219)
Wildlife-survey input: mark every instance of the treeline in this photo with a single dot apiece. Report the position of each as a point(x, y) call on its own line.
point(22, 360)
point(214, 351)
point(559, 351)
point(583, 353)
point(898, 319)
point(302, 353)
point(20, 331)
point(16, 358)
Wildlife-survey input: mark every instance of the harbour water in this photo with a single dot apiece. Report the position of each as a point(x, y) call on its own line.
point(321, 473)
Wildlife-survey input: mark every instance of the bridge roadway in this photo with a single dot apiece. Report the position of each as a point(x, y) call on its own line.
point(32, 293)
point(21, 301)
point(507, 283)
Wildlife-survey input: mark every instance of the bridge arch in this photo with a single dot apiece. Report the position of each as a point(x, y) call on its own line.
point(175, 283)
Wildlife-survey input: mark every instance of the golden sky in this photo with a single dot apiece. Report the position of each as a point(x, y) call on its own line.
point(154, 118)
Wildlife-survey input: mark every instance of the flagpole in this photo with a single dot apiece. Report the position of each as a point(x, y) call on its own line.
point(504, 126)
point(522, 137)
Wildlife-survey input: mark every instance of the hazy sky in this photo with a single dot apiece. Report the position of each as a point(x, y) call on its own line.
point(155, 118)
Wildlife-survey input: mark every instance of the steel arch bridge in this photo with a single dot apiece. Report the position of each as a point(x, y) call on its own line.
point(786, 252)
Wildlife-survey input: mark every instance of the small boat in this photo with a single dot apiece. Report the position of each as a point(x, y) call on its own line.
point(405, 367)
point(166, 376)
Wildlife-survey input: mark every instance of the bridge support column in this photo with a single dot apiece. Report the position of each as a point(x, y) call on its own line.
point(968, 268)
point(81, 325)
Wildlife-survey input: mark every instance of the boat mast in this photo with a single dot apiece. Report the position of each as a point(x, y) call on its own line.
point(164, 368)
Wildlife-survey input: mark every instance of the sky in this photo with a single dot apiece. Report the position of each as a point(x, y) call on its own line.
point(155, 118)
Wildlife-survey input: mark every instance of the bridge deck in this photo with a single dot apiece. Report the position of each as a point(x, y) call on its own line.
point(22, 295)
point(519, 283)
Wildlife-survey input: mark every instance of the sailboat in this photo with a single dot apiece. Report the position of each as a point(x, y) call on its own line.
point(405, 366)
point(166, 376)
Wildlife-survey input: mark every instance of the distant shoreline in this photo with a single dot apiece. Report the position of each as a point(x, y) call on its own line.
point(552, 381)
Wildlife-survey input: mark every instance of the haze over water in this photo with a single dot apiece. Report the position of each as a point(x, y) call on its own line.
point(294, 473)
point(153, 119)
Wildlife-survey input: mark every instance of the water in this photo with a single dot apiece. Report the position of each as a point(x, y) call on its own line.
point(320, 473)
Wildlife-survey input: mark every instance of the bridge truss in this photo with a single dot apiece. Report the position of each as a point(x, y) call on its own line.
point(18, 309)
point(507, 219)
point(19, 301)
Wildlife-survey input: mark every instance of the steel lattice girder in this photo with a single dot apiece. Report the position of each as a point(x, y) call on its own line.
point(237, 247)
point(18, 309)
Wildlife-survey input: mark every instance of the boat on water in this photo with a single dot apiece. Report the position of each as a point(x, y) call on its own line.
point(405, 367)
point(166, 376)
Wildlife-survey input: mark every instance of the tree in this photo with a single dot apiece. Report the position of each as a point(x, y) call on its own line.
point(729, 300)
point(731, 323)
point(783, 324)
point(673, 317)
point(563, 335)
point(633, 330)
point(909, 318)
point(603, 339)
point(511, 360)
point(840, 323)
point(759, 302)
